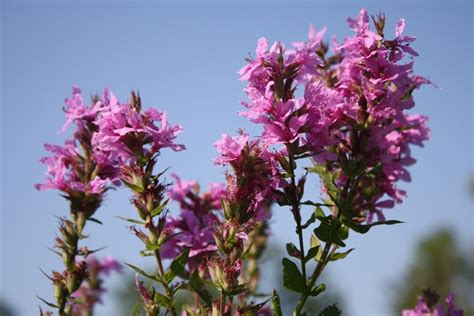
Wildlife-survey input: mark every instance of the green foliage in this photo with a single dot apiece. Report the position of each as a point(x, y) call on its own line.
point(292, 277)
point(177, 266)
point(362, 229)
point(143, 273)
point(340, 255)
point(330, 231)
point(131, 220)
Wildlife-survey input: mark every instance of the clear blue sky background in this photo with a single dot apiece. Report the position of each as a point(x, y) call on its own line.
point(183, 57)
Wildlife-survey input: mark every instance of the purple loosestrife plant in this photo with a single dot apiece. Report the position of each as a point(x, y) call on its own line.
point(136, 138)
point(82, 175)
point(351, 119)
point(339, 112)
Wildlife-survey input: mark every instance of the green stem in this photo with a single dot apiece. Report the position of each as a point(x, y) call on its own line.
point(166, 286)
point(317, 272)
point(295, 209)
point(324, 256)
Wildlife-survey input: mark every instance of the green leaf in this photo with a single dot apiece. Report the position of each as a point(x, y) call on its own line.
point(151, 247)
point(159, 208)
point(318, 289)
point(95, 220)
point(316, 204)
point(140, 271)
point(331, 310)
point(131, 220)
point(47, 303)
point(197, 285)
point(319, 213)
point(329, 231)
point(292, 278)
point(162, 300)
point(276, 306)
point(292, 250)
point(313, 252)
point(310, 221)
point(362, 229)
point(340, 255)
point(162, 173)
point(236, 290)
point(134, 187)
point(177, 266)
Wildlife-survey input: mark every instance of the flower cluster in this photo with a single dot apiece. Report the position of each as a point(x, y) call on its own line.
point(352, 115)
point(71, 170)
point(346, 106)
point(129, 135)
point(194, 227)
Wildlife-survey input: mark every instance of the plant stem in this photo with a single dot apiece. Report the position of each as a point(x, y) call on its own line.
point(222, 307)
point(168, 291)
point(325, 255)
point(317, 272)
point(295, 209)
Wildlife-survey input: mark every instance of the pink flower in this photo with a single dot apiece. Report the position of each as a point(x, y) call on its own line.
point(79, 113)
point(229, 148)
point(181, 188)
point(63, 168)
point(357, 106)
point(125, 133)
point(194, 227)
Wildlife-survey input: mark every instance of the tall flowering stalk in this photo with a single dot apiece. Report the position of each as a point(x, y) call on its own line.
point(351, 119)
point(82, 175)
point(244, 206)
point(136, 138)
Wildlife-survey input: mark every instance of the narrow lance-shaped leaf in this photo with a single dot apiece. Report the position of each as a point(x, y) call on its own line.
point(362, 229)
point(340, 255)
point(131, 220)
point(140, 271)
point(177, 266)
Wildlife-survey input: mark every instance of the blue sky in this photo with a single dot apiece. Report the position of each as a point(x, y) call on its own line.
point(183, 58)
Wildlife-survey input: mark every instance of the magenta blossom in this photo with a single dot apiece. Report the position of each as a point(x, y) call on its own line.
point(354, 106)
point(229, 148)
point(63, 171)
point(77, 112)
point(194, 227)
point(124, 131)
